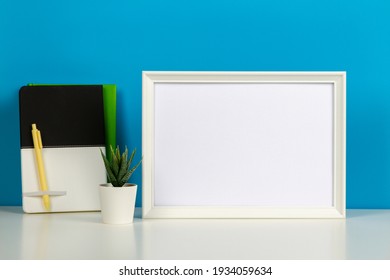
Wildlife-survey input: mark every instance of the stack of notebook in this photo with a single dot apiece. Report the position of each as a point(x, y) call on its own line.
point(75, 122)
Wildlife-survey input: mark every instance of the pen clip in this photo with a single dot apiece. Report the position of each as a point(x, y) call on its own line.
point(39, 139)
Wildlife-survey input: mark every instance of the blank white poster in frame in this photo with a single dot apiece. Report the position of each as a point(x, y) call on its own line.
point(244, 144)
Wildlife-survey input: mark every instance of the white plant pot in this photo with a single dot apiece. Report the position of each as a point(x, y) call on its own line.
point(117, 203)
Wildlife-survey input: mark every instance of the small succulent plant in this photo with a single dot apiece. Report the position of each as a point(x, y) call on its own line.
point(118, 166)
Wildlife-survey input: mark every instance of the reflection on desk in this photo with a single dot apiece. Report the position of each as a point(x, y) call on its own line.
point(365, 234)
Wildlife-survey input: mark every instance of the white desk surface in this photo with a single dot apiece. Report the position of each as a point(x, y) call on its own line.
point(364, 234)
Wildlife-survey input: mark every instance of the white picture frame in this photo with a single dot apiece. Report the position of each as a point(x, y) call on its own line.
point(244, 144)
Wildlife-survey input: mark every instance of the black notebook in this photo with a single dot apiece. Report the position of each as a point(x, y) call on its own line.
point(71, 123)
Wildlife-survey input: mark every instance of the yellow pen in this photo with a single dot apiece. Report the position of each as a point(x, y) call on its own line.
point(36, 135)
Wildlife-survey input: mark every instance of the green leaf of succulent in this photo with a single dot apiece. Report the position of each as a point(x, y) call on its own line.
point(131, 158)
point(128, 174)
point(118, 153)
point(118, 168)
point(115, 164)
point(125, 155)
point(114, 181)
point(123, 166)
point(131, 171)
point(107, 164)
point(136, 166)
point(126, 177)
point(112, 152)
point(115, 167)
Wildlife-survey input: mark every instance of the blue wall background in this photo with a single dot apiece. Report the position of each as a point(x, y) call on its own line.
point(96, 41)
